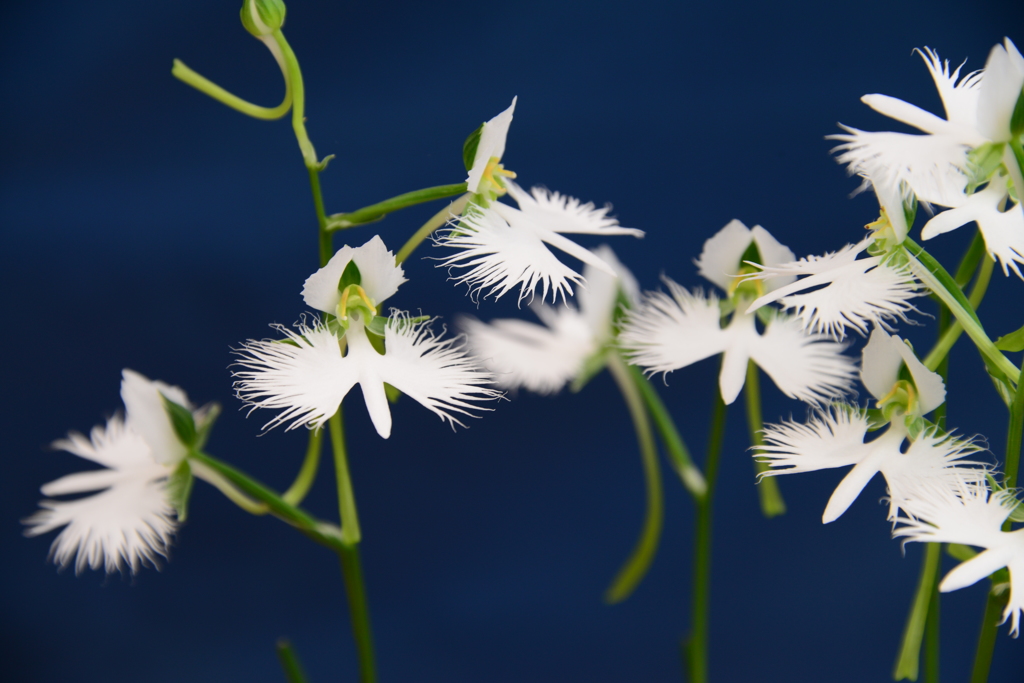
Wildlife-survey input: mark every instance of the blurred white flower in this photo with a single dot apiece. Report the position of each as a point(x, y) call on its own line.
point(309, 373)
point(968, 513)
point(129, 520)
point(543, 358)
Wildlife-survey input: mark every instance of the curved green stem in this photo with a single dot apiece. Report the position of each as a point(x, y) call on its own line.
point(697, 647)
point(350, 531)
point(230, 491)
point(934, 276)
point(291, 63)
point(772, 504)
point(908, 660)
point(1014, 437)
point(208, 87)
point(375, 212)
point(307, 474)
point(289, 662)
point(639, 562)
point(953, 331)
point(987, 636)
point(679, 454)
point(436, 221)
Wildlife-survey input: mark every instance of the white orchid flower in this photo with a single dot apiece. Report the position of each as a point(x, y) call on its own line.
point(968, 513)
point(835, 437)
point(543, 358)
point(309, 373)
point(670, 331)
point(129, 521)
point(501, 246)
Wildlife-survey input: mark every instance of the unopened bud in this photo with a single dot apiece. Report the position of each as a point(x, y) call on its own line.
point(262, 17)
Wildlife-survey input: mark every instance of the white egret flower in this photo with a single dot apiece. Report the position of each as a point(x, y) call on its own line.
point(307, 374)
point(670, 331)
point(501, 246)
point(970, 514)
point(834, 437)
point(129, 521)
point(543, 358)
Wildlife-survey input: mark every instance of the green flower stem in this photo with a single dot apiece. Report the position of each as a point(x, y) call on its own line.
point(346, 496)
point(636, 567)
point(931, 634)
point(951, 333)
point(1014, 434)
point(987, 636)
point(322, 532)
point(352, 571)
point(229, 490)
point(935, 277)
point(324, 242)
point(208, 87)
point(972, 257)
point(697, 647)
point(375, 212)
point(908, 660)
point(772, 504)
point(289, 662)
point(679, 454)
point(307, 474)
point(437, 220)
point(294, 77)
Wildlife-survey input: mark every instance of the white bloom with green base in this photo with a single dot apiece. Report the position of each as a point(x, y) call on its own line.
point(309, 373)
point(129, 521)
point(835, 437)
point(543, 358)
point(671, 331)
point(967, 512)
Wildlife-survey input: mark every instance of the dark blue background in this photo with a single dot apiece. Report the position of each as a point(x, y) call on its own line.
point(146, 226)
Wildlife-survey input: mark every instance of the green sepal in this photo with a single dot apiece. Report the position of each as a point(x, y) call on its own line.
point(910, 210)
point(350, 276)
point(1001, 383)
point(1017, 514)
point(271, 13)
point(876, 419)
point(179, 489)
point(392, 393)
point(181, 420)
point(1017, 119)
point(380, 322)
point(915, 425)
point(1012, 342)
point(960, 551)
point(208, 414)
point(376, 341)
point(470, 146)
point(592, 365)
point(982, 162)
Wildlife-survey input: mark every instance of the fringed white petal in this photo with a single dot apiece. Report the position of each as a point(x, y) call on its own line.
point(492, 144)
point(808, 367)
point(561, 213)
point(437, 373)
point(666, 333)
point(147, 415)
point(498, 256)
point(853, 293)
point(910, 114)
point(932, 166)
point(380, 275)
point(598, 297)
point(959, 99)
point(773, 253)
point(304, 375)
point(1003, 230)
point(127, 524)
point(833, 437)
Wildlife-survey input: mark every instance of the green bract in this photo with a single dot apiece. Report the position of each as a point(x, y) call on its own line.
point(262, 17)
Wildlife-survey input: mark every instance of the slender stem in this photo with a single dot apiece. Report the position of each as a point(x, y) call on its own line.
point(323, 237)
point(374, 212)
point(908, 661)
point(436, 221)
point(935, 277)
point(321, 532)
point(951, 332)
point(346, 496)
point(679, 454)
point(772, 504)
point(971, 258)
point(359, 609)
point(931, 632)
point(987, 637)
point(1014, 435)
point(229, 490)
point(289, 662)
point(298, 100)
point(697, 648)
point(307, 474)
point(636, 567)
point(208, 87)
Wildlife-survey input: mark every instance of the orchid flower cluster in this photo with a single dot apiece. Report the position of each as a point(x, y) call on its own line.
point(768, 312)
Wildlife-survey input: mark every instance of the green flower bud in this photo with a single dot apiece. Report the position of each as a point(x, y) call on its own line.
point(262, 17)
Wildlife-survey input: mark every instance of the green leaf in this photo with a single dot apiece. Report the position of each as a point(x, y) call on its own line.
point(960, 551)
point(351, 276)
point(469, 147)
point(207, 415)
point(392, 393)
point(181, 420)
point(1011, 342)
point(179, 489)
